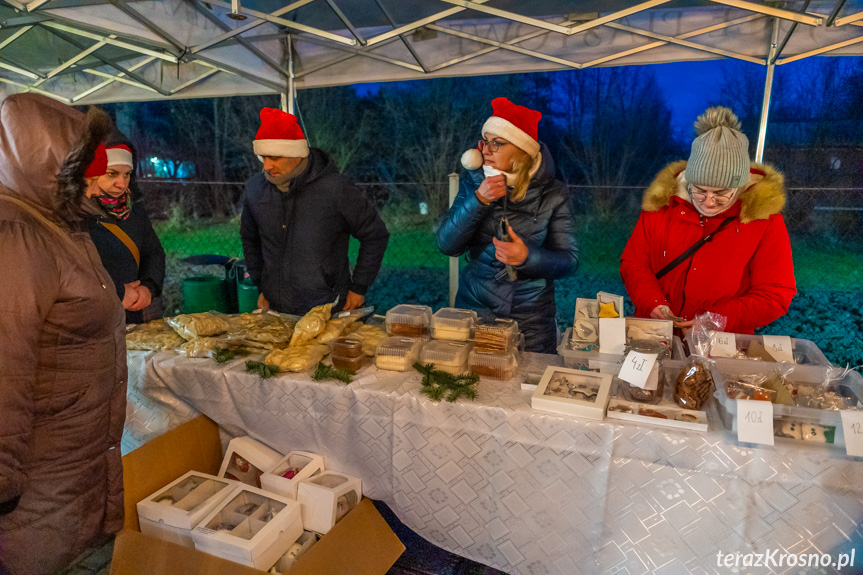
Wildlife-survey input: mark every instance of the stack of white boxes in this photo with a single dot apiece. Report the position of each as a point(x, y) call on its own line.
point(263, 511)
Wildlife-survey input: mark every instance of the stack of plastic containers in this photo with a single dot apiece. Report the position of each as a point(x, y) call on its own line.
point(453, 324)
point(409, 320)
point(495, 348)
point(398, 353)
point(347, 353)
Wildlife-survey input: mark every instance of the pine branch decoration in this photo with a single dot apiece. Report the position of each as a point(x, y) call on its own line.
point(440, 385)
point(323, 372)
point(222, 355)
point(264, 370)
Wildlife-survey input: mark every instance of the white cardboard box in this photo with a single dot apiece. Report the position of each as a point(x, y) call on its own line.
point(328, 497)
point(309, 465)
point(246, 460)
point(173, 511)
point(675, 416)
point(298, 547)
point(251, 527)
point(573, 392)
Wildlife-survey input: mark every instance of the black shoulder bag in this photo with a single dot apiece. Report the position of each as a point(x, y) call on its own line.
point(692, 249)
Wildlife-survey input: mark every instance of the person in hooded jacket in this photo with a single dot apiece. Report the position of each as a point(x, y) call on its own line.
point(62, 341)
point(124, 236)
point(744, 271)
point(514, 221)
point(298, 218)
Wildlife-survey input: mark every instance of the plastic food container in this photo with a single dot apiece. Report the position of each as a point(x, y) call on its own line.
point(351, 363)
point(848, 392)
point(449, 356)
point(810, 360)
point(347, 347)
point(491, 364)
point(500, 335)
point(398, 353)
point(579, 359)
point(453, 324)
point(409, 320)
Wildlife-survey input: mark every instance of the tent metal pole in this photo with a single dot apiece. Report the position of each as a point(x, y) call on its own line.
point(768, 88)
point(453, 261)
point(288, 94)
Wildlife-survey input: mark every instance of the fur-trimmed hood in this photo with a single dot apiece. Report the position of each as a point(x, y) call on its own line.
point(764, 194)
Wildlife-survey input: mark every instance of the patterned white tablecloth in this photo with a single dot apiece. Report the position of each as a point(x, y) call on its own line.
point(529, 492)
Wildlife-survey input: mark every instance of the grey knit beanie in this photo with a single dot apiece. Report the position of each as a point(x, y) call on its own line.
point(720, 152)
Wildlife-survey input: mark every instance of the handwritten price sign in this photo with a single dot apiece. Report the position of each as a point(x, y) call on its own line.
point(636, 369)
point(724, 344)
point(779, 347)
point(852, 426)
point(755, 421)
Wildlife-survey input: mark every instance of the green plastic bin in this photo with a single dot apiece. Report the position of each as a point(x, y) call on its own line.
point(247, 296)
point(204, 293)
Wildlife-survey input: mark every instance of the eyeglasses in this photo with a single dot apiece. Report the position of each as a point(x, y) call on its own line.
point(493, 145)
point(720, 196)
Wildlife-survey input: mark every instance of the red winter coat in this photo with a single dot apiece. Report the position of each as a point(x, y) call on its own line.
point(745, 273)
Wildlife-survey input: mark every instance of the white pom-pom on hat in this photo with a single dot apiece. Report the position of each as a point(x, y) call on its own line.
point(472, 159)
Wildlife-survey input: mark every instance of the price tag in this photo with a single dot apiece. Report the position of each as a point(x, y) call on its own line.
point(852, 426)
point(612, 335)
point(779, 347)
point(755, 421)
point(723, 344)
point(636, 370)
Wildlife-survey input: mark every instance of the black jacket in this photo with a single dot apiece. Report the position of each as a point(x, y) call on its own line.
point(543, 220)
point(296, 243)
point(118, 259)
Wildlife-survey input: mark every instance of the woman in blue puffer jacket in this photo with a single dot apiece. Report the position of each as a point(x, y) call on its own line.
point(514, 221)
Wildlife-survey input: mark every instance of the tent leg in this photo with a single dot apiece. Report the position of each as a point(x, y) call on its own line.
point(453, 262)
point(289, 93)
point(768, 89)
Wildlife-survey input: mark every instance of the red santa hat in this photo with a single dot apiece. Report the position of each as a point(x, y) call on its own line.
point(120, 155)
point(99, 166)
point(280, 135)
point(515, 123)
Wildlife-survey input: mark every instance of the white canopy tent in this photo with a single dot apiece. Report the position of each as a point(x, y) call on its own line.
point(97, 51)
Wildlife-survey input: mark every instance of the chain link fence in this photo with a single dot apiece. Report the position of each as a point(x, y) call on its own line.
point(825, 224)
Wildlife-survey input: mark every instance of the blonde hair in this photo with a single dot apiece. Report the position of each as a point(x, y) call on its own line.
point(521, 166)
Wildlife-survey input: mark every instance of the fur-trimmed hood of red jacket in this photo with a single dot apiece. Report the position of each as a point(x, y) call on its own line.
point(764, 194)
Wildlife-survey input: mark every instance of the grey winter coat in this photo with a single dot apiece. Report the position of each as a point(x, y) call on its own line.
point(544, 222)
point(62, 354)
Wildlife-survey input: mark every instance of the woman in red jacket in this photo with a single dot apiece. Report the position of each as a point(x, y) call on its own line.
point(744, 269)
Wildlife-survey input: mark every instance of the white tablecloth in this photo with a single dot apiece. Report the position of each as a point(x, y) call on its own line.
point(529, 492)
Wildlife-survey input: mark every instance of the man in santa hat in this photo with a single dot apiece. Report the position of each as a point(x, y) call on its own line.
point(298, 217)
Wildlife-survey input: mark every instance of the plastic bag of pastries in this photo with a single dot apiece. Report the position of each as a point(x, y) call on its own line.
point(311, 324)
point(193, 325)
point(156, 335)
point(297, 358)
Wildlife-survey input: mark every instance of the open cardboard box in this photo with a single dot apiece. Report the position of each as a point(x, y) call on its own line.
point(362, 543)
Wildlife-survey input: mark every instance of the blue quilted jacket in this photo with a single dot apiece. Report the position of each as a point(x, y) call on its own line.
point(544, 221)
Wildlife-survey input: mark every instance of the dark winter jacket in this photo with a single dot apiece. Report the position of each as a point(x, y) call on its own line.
point(544, 222)
point(296, 243)
point(119, 260)
point(744, 273)
point(62, 348)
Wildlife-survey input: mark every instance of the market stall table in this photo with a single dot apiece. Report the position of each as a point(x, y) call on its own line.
point(530, 492)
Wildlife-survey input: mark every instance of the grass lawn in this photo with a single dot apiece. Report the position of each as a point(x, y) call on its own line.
point(818, 265)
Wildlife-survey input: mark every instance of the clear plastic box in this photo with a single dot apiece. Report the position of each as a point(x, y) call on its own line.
point(351, 363)
point(492, 364)
point(810, 360)
point(453, 324)
point(578, 359)
point(409, 320)
point(500, 335)
point(449, 356)
point(347, 347)
point(850, 386)
point(398, 353)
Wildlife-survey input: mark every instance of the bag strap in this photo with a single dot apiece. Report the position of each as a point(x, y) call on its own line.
point(692, 249)
point(124, 237)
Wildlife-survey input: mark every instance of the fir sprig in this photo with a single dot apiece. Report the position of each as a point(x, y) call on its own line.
point(323, 372)
point(440, 385)
point(264, 370)
point(222, 355)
